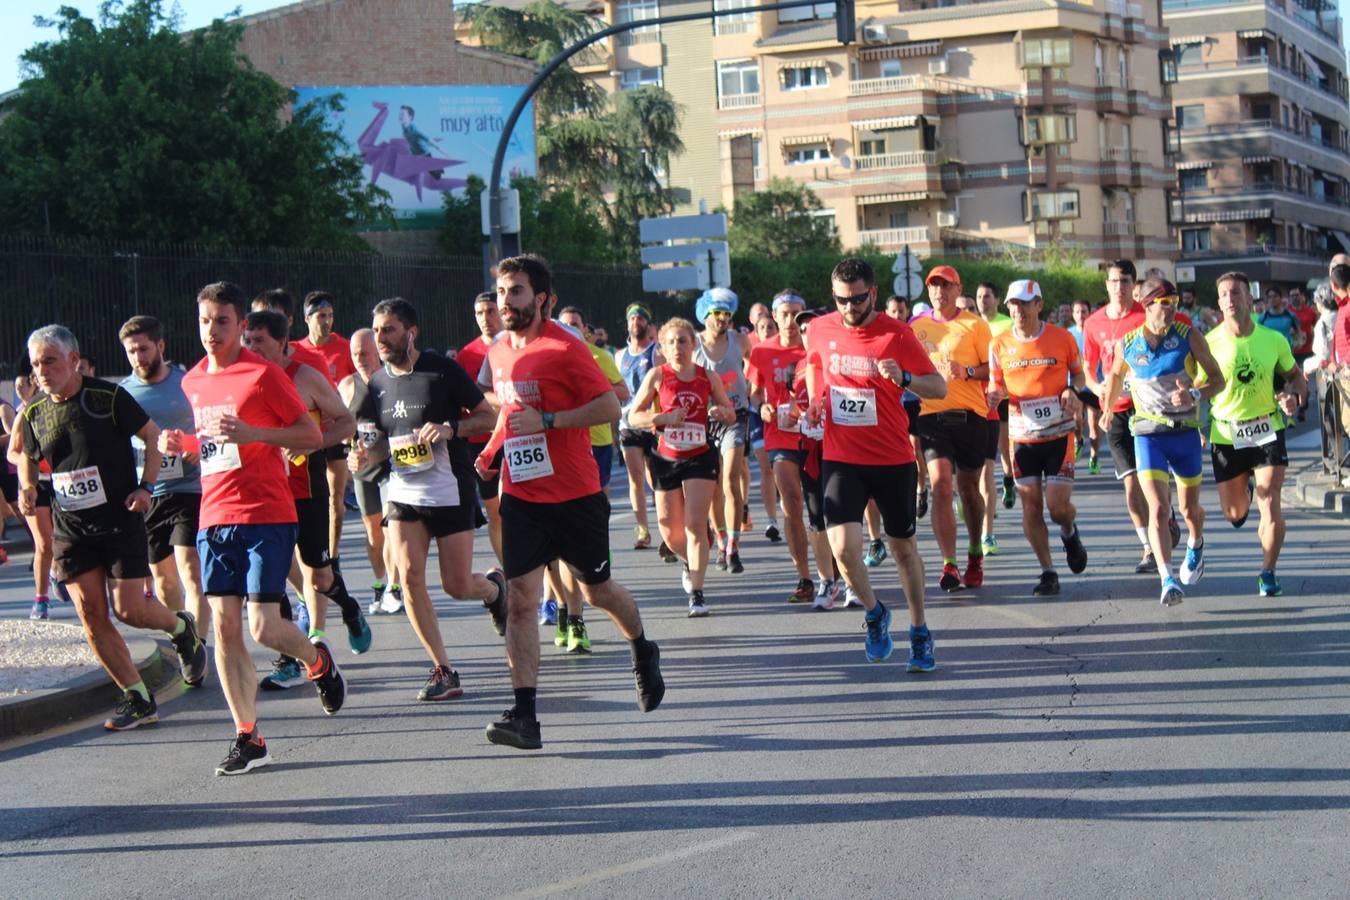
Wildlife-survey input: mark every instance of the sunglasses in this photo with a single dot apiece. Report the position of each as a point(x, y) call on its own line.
point(855, 300)
point(1167, 302)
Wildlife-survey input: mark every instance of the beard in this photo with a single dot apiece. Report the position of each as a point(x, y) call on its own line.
point(856, 315)
point(396, 354)
point(518, 319)
point(152, 369)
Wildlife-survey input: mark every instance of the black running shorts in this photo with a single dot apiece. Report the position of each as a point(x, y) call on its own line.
point(848, 487)
point(575, 531)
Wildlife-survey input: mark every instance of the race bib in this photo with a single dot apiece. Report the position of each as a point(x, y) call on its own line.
point(409, 455)
point(367, 434)
point(527, 457)
point(783, 422)
point(80, 489)
point(1038, 415)
point(217, 455)
point(170, 466)
point(1253, 432)
point(813, 434)
point(689, 436)
point(853, 407)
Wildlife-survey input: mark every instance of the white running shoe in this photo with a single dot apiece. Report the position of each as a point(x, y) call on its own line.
point(686, 580)
point(824, 596)
point(851, 598)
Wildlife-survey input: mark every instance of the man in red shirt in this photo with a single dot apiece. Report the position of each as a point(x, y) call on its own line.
point(470, 359)
point(551, 391)
point(861, 362)
point(245, 411)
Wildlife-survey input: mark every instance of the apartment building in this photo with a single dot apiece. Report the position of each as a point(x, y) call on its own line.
point(948, 126)
point(1261, 116)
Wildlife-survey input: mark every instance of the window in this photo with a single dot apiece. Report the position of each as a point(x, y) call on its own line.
point(805, 155)
point(1194, 240)
point(890, 68)
point(871, 147)
point(1056, 52)
point(1051, 130)
point(637, 11)
point(1191, 116)
point(629, 79)
point(734, 24)
point(806, 13)
point(898, 220)
point(1194, 179)
point(737, 78)
point(1051, 204)
point(800, 79)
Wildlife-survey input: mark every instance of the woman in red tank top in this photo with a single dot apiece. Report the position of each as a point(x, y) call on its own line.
point(677, 400)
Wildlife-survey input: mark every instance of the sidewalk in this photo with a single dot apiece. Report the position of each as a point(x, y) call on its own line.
point(1307, 484)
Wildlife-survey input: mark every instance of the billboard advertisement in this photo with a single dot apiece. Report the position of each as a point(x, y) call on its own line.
point(419, 142)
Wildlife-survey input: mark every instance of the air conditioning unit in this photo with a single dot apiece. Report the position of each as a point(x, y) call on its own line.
point(874, 34)
point(937, 66)
point(948, 219)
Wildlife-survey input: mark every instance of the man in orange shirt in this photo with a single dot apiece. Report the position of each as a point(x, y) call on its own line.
point(953, 430)
point(1035, 366)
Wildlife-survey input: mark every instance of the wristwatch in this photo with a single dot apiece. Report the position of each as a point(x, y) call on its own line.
point(970, 373)
point(147, 486)
point(905, 379)
point(548, 420)
point(1195, 394)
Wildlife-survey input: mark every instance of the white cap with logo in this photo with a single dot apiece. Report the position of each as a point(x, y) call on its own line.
point(1024, 290)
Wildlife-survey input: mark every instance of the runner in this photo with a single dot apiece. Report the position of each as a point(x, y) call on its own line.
point(679, 399)
point(766, 329)
point(176, 499)
point(1089, 413)
point(1034, 367)
point(470, 359)
point(336, 351)
point(82, 428)
point(427, 405)
point(865, 360)
point(723, 350)
point(245, 410)
point(1159, 357)
point(39, 521)
point(552, 506)
point(635, 359)
point(953, 428)
point(1248, 419)
point(997, 446)
point(772, 371)
point(370, 480)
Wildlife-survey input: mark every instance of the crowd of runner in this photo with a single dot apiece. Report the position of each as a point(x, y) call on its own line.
point(191, 501)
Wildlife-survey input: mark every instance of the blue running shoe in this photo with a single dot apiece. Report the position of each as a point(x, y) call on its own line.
point(300, 612)
point(548, 612)
point(876, 554)
point(39, 611)
point(1193, 566)
point(1266, 585)
point(921, 650)
point(878, 643)
point(1172, 595)
point(358, 635)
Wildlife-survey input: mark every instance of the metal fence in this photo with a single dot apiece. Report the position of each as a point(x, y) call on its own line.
point(93, 287)
point(1335, 416)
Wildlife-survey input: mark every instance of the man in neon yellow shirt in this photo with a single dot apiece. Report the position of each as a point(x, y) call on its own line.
point(1248, 418)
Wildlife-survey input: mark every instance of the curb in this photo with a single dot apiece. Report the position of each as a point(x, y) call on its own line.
point(1315, 489)
point(91, 693)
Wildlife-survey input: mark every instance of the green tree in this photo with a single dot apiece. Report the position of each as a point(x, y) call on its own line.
point(779, 223)
point(559, 224)
point(127, 129)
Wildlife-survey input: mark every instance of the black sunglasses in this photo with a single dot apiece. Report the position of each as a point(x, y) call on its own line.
point(856, 299)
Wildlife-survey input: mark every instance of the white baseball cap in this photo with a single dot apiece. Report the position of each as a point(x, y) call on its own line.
point(1024, 290)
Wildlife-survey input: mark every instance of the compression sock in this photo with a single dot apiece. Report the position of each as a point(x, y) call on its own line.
point(140, 688)
point(337, 592)
point(525, 702)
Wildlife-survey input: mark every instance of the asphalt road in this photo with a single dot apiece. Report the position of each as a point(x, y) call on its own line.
point(1091, 745)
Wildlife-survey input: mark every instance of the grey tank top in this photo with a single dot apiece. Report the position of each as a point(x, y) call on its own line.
point(731, 369)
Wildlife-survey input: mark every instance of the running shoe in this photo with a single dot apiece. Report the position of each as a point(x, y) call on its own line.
point(358, 634)
point(377, 595)
point(1174, 530)
point(877, 623)
point(1094, 466)
point(921, 650)
point(39, 610)
point(132, 712)
point(1267, 585)
point(990, 545)
point(192, 658)
point(548, 612)
point(442, 684)
point(876, 554)
point(1172, 594)
point(246, 754)
point(950, 579)
point(286, 673)
point(824, 598)
point(560, 632)
point(393, 600)
point(1048, 586)
point(697, 608)
point(329, 683)
point(921, 506)
point(300, 614)
point(667, 554)
point(838, 590)
point(734, 562)
point(1009, 493)
point(772, 533)
point(513, 731)
point(851, 597)
point(497, 608)
point(651, 687)
point(1193, 566)
point(644, 538)
point(577, 640)
point(804, 592)
point(974, 576)
point(686, 578)
point(1074, 551)
point(722, 560)
point(1147, 564)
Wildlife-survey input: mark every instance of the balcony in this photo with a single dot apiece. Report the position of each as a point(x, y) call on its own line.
point(1118, 229)
point(640, 36)
point(895, 238)
point(865, 87)
point(1230, 132)
point(895, 160)
point(1123, 155)
point(1248, 65)
point(739, 101)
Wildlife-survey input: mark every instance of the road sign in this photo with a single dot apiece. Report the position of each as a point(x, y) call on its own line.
point(674, 253)
point(680, 228)
point(676, 278)
point(908, 271)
